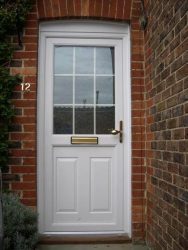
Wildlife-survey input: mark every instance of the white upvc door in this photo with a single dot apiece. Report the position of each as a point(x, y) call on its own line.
point(83, 180)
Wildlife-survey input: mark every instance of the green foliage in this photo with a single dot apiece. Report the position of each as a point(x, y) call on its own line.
point(20, 224)
point(5, 54)
point(12, 15)
point(7, 84)
point(12, 18)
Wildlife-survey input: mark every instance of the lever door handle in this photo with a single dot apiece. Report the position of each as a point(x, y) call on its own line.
point(120, 131)
point(115, 132)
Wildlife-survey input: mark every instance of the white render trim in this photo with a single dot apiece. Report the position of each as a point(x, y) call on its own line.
point(84, 26)
point(85, 29)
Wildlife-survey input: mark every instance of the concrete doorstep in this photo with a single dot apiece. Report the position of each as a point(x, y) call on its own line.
point(93, 247)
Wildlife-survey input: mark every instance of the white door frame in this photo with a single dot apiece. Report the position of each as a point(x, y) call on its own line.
point(85, 29)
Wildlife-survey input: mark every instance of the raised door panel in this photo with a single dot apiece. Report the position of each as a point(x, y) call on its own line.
point(65, 196)
point(100, 185)
point(85, 190)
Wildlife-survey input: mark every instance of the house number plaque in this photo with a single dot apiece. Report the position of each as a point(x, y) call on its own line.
point(25, 86)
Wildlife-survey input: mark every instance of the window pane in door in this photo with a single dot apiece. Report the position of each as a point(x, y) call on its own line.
point(105, 60)
point(84, 120)
point(105, 93)
point(105, 119)
point(63, 60)
point(63, 119)
point(84, 90)
point(63, 90)
point(84, 60)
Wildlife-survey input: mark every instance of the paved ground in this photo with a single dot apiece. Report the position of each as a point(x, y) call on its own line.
point(93, 247)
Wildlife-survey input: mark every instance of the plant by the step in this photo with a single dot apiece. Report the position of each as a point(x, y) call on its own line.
point(20, 224)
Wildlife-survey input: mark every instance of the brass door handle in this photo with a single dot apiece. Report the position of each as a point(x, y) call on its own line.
point(120, 131)
point(115, 132)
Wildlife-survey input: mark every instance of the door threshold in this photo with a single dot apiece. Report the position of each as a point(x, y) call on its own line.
point(83, 239)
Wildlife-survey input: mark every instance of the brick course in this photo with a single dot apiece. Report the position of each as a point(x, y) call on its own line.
point(165, 77)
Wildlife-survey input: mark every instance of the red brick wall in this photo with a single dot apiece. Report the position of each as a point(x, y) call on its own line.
point(21, 175)
point(138, 125)
point(166, 42)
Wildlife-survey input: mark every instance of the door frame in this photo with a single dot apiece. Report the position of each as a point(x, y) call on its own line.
point(84, 29)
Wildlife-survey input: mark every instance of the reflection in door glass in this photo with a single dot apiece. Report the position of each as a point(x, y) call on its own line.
point(105, 90)
point(84, 120)
point(105, 61)
point(63, 87)
point(105, 119)
point(84, 60)
point(63, 60)
point(63, 120)
point(84, 90)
